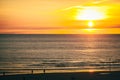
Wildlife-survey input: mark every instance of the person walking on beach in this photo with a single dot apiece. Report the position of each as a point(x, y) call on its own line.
point(45, 78)
point(44, 71)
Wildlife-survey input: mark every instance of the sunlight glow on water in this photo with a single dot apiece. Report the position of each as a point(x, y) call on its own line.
point(84, 52)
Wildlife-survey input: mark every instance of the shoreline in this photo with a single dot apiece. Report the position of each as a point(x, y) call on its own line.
point(47, 70)
point(97, 75)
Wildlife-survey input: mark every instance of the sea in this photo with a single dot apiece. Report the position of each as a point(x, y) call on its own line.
point(60, 51)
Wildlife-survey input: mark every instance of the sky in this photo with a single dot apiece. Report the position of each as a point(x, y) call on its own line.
point(58, 16)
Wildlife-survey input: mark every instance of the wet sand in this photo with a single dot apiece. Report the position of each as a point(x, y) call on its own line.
point(102, 75)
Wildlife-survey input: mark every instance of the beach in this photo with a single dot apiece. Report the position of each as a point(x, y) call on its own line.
point(60, 40)
point(98, 75)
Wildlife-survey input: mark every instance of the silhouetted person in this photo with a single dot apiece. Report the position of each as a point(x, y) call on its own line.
point(3, 73)
point(32, 71)
point(45, 78)
point(44, 71)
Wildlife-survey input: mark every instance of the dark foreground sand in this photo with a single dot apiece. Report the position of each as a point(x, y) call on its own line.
point(114, 75)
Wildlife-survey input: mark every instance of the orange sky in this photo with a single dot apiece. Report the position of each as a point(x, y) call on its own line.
point(56, 17)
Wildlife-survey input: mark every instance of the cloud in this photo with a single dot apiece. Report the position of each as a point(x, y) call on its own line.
point(99, 1)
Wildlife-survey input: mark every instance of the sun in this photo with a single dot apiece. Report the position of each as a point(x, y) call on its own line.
point(90, 14)
point(90, 24)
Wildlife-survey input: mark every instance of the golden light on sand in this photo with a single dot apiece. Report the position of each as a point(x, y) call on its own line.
point(90, 13)
point(91, 70)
